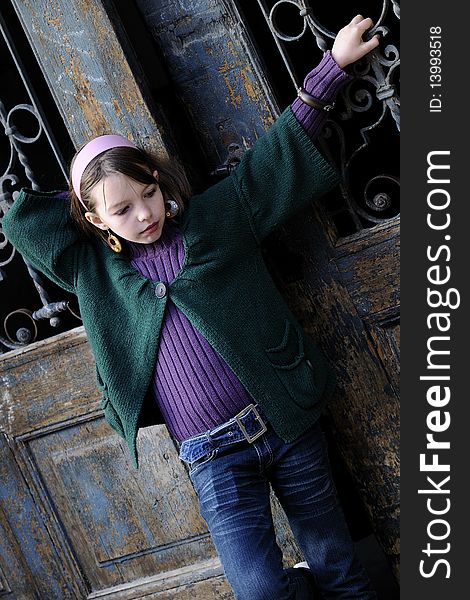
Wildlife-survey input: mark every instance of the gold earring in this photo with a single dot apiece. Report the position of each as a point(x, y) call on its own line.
point(113, 242)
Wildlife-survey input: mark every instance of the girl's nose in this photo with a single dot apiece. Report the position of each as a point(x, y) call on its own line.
point(144, 213)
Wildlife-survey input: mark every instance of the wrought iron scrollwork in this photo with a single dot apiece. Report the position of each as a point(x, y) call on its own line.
point(354, 137)
point(23, 334)
point(20, 324)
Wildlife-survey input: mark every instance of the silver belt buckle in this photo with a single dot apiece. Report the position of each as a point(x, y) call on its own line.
point(250, 439)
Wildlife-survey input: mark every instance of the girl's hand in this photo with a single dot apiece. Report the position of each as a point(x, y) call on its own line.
point(349, 46)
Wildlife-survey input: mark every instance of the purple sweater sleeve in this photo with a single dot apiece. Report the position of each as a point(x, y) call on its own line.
point(323, 82)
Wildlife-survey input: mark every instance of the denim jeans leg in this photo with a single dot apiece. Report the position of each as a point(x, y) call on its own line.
point(301, 478)
point(234, 498)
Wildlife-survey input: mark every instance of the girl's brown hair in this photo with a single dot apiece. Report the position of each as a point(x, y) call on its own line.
point(139, 166)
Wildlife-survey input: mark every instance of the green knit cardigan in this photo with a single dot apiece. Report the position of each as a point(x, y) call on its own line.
point(223, 287)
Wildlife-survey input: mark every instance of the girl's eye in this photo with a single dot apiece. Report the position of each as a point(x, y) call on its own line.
point(150, 193)
point(123, 210)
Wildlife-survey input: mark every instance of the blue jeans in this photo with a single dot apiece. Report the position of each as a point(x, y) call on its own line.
point(231, 477)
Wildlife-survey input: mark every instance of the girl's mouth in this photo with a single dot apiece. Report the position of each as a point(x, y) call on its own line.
point(151, 228)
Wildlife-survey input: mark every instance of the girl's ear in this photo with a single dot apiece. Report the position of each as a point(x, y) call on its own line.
point(95, 220)
point(156, 175)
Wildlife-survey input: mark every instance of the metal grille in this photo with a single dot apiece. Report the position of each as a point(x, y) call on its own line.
point(362, 135)
point(31, 307)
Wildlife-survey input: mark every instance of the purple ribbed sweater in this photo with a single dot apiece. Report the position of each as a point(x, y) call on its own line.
point(193, 386)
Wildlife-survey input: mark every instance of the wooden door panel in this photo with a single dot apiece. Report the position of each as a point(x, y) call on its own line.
point(386, 337)
point(120, 523)
point(30, 566)
point(370, 272)
point(109, 528)
point(63, 386)
point(371, 276)
point(203, 581)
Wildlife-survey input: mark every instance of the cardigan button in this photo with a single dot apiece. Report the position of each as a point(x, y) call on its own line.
point(160, 290)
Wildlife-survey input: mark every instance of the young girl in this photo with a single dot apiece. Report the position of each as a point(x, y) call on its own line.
point(188, 328)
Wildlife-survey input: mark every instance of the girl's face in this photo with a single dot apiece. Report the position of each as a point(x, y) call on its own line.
point(132, 210)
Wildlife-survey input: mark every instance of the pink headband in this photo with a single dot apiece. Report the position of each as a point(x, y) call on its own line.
point(90, 151)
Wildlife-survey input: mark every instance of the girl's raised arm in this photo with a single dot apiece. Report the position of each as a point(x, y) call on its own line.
point(283, 172)
point(40, 227)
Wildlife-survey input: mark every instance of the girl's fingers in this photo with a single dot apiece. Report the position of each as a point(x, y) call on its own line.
point(371, 44)
point(365, 24)
point(356, 19)
point(374, 42)
point(349, 43)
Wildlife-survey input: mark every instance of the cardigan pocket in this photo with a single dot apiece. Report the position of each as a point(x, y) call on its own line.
point(293, 368)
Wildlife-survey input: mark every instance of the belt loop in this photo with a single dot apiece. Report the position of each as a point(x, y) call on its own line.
point(209, 439)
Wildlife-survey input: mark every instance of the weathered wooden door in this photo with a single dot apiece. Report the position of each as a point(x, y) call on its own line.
point(76, 520)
